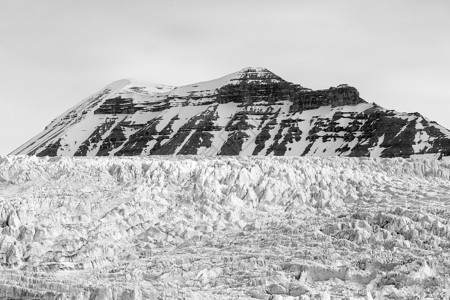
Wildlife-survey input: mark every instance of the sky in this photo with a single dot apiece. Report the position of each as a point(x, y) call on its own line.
point(54, 53)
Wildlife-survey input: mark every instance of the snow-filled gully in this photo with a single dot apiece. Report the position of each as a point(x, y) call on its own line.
point(224, 228)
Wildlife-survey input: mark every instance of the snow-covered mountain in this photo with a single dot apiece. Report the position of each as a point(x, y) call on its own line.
point(250, 112)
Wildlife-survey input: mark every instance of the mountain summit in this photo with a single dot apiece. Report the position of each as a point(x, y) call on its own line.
point(249, 112)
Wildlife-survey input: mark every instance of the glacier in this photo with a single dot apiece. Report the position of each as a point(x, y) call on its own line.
point(194, 227)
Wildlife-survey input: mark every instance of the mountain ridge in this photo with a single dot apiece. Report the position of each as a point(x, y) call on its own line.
point(249, 112)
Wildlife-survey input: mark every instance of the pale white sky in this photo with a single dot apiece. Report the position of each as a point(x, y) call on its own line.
point(54, 53)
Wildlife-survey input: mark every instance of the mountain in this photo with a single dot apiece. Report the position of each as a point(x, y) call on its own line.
point(250, 112)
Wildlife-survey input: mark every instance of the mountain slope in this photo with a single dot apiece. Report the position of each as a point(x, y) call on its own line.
point(250, 112)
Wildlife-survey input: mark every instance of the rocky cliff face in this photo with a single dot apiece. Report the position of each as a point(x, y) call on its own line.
point(250, 112)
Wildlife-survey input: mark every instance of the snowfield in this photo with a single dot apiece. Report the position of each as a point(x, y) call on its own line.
point(191, 227)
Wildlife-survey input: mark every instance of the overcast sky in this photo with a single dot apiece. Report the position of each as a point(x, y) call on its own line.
point(54, 53)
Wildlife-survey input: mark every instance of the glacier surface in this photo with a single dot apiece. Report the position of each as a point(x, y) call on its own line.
point(192, 227)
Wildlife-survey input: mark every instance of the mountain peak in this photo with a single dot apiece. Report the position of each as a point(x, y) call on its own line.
point(257, 73)
point(144, 88)
point(254, 70)
point(252, 75)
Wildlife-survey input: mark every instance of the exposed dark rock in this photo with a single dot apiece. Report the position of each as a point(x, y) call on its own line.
point(170, 146)
point(95, 138)
point(117, 105)
point(197, 140)
point(114, 140)
point(138, 141)
point(233, 145)
point(250, 93)
point(305, 99)
point(51, 149)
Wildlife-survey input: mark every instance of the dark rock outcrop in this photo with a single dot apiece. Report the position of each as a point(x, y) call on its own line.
point(335, 96)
